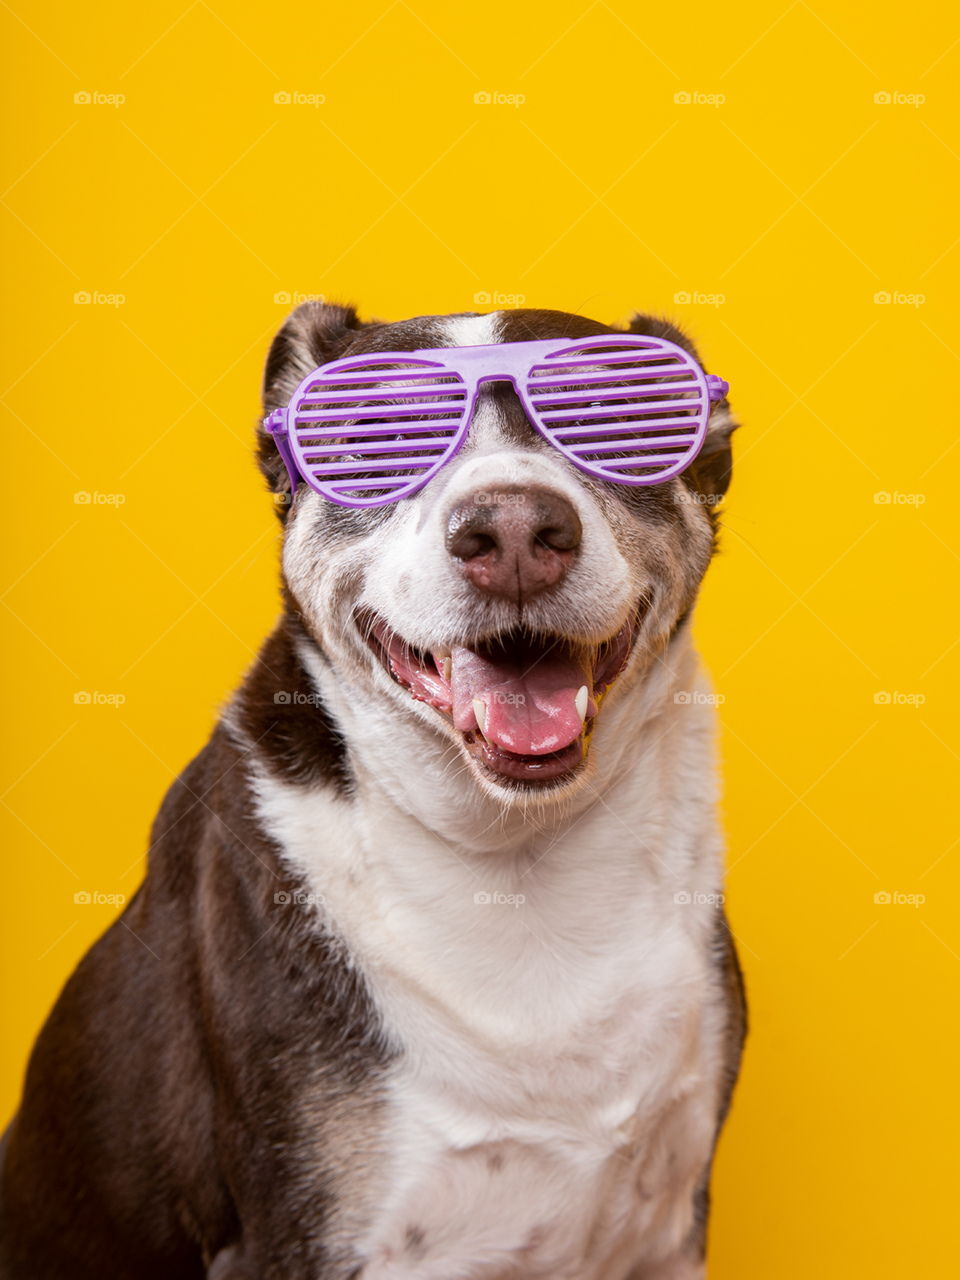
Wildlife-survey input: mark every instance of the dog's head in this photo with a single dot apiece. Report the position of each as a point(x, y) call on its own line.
point(503, 603)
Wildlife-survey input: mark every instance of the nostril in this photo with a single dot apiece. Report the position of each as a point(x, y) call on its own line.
point(563, 536)
point(470, 533)
point(468, 544)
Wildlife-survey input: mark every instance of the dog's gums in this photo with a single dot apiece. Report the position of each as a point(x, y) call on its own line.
point(525, 706)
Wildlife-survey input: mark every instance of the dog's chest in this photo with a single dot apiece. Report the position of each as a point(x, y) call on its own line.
point(546, 1021)
point(531, 1161)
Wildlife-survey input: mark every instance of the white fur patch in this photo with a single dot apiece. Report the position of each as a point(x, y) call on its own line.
point(556, 1095)
point(472, 331)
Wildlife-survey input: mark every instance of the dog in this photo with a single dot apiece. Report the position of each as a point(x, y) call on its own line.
point(412, 989)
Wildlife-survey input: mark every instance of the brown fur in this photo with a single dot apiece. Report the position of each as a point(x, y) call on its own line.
point(204, 1041)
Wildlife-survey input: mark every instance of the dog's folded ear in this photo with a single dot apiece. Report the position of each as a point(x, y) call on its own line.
point(710, 474)
point(713, 468)
point(657, 327)
point(312, 335)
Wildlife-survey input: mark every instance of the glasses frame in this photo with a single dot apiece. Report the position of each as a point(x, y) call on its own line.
point(526, 366)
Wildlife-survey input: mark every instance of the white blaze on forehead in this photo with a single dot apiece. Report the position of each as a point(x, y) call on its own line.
point(471, 331)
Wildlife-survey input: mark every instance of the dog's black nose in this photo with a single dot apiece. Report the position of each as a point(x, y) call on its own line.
point(514, 542)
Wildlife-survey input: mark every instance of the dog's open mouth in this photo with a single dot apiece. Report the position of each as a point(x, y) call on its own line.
point(525, 705)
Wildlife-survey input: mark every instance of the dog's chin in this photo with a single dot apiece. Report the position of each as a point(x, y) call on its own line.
point(522, 707)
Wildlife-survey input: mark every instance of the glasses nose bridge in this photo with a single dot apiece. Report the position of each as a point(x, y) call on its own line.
point(483, 376)
point(487, 375)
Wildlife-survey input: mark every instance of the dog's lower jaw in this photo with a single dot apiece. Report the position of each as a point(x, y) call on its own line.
point(552, 687)
point(527, 771)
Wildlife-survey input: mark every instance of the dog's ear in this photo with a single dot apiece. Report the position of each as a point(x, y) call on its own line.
point(657, 327)
point(312, 335)
point(710, 474)
point(712, 471)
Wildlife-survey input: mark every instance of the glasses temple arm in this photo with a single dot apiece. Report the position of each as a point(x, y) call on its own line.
point(716, 386)
point(276, 424)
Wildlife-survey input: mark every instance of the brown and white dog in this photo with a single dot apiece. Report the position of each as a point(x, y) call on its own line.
point(393, 1002)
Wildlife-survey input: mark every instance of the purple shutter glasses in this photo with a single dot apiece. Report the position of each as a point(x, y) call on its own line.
point(375, 428)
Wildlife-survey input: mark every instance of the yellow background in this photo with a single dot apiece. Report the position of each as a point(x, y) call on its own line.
point(797, 199)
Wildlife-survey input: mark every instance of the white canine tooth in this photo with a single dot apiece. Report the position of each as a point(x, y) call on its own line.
point(447, 668)
point(480, 711)
point(582, 698)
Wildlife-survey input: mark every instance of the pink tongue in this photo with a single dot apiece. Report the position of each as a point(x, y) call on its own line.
point(529, 697)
